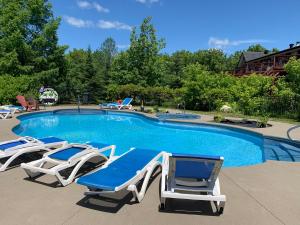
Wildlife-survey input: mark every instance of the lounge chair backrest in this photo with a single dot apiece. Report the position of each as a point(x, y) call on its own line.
point(127, 101)
point(198, 167)
point(21, 99)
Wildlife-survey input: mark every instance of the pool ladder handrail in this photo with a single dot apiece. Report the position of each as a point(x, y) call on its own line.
point(290, 130)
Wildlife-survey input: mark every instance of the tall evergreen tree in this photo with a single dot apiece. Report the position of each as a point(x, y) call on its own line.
point(29, 42)
point(108, 50)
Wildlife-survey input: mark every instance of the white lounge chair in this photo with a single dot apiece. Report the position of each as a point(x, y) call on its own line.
point(125, 104)
point(5, 113)
point(13, 107)
point(10, 150)
point(123, 173)
point(71, 155)
point(192, 177)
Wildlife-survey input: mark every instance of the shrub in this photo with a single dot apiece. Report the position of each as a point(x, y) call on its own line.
point(219, 118)
point(262, 122)
point(156, 108)
point(11, 86)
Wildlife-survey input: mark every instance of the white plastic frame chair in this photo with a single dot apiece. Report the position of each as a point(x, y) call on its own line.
point(30, 145)
point(204, 190)
point(36, 168)
point(5, 113)
point(125, 104)
point(130, 184)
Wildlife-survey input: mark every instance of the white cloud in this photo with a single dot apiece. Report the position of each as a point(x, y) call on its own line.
point(105, 24)
point(76, 22)
point(102, 24)
point(147, 1)
point(92, 5)
point(223, 43)
point(123, 46)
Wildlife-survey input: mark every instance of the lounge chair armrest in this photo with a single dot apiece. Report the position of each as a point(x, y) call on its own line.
point(112, 149)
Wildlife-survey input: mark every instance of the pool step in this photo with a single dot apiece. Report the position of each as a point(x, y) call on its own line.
point(281, 150)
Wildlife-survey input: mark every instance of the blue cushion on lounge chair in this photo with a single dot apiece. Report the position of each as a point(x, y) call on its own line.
point(97, 144)
point(4, 111)
point(66, 154)
point(12, 144)
point(201, 168)
point(196, 170)
point(126, 101)
point(49, 140)
point(119, 171)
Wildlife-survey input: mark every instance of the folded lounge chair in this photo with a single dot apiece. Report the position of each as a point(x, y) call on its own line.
point(122, 173)
point(193, 177)
point(28, 105)
point(69, 156)
point(15, 148)
point(5, 113)
point(125, 104)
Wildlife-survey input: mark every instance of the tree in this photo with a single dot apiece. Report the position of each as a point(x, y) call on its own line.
point(29, 42)
point(293, 73)
point(256, 48)
point(92, 81)
point(233, 59)
point(75, 78)
point(104, 57)
point(177, 62)
point(213, 59)
point(143, 54)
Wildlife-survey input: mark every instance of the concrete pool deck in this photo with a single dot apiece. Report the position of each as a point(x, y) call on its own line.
point(267, 193)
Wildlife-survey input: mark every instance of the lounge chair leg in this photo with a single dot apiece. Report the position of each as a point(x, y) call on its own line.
point(140, 195)
point(10, 160)
point(221, 207)
point(162, 205)
point(32, 174)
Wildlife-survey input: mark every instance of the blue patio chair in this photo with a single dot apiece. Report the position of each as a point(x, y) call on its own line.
point(123, 173)
point(193, 177)
point(125, 104)
point(15, 148)
point(70, 156)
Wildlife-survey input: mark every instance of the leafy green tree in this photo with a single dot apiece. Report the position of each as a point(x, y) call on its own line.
point(120, 72)
point(29, 42)
point(75, 78)
point(213, 59)
point(90, 73)
point(176, 64)
point(143, 54)
point(109, 51)
point(256, 48)
point(233, 60)
point(293, 73)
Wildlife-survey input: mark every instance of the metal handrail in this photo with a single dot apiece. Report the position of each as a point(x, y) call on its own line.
point(291, 129)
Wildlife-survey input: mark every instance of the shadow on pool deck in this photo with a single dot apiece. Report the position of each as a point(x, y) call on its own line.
point(107, 203)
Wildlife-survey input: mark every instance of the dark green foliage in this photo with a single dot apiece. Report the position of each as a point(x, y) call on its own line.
point(262, 122)
point(256, 48)
point(142, 65)
point(30, 56)
point(29, 43)
point(219, 118)
point(11, 86)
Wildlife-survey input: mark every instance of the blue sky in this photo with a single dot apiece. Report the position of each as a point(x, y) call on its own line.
point(191, 24)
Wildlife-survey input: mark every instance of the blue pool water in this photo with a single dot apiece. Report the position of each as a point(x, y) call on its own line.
point(128, 130)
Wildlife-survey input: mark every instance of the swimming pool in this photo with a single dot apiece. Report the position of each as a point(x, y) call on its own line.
point(128, 130)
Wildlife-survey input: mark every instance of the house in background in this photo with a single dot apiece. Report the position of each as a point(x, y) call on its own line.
point(266, 64)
